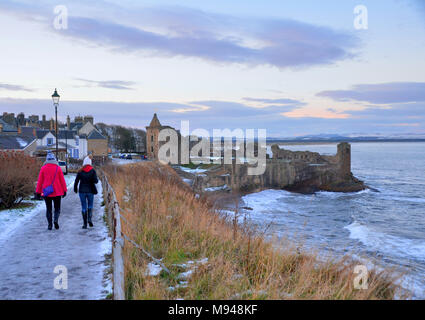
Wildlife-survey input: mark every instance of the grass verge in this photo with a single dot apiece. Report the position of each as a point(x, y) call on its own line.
point(210, 257)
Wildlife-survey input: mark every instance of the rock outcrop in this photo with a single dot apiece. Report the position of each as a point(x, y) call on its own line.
point(305, 172)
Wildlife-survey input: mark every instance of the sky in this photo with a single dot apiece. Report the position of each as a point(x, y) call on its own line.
point(292, 67)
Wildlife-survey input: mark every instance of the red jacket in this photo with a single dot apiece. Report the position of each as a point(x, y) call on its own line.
point(45, 179)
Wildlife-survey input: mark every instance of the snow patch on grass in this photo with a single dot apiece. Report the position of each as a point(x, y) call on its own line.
point(194, 171)
point(153, 269)
point(212, 189)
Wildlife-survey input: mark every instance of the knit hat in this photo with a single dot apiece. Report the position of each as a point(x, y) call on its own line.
point(87, 161)
point(50, 157)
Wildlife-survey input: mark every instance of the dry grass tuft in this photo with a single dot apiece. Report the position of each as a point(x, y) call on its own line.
point(172, 224)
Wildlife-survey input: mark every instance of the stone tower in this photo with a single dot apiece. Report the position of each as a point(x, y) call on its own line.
point(344, 158)
point(152, 133)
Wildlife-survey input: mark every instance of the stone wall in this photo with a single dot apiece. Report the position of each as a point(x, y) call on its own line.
point(99, 147)
point(288, 155)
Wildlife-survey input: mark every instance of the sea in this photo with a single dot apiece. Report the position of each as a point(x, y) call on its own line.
point(383, 227)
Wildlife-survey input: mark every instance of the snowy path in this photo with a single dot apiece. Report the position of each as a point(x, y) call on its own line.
point(29, 255)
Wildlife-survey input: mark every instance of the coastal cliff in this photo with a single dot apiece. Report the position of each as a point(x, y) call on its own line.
point(305, 172)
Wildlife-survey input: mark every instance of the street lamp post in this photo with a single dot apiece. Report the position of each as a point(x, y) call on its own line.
point(55, 98)
point(66, 150)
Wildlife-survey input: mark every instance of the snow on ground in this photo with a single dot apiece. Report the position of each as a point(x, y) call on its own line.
point(11, 219)
point(191, 267)
point(30, 254)
point(124, 161)
point(154, 270)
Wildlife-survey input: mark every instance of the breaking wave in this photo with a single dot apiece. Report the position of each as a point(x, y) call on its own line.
point(389, 244)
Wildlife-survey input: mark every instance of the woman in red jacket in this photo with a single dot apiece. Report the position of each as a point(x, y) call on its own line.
point(51, 175)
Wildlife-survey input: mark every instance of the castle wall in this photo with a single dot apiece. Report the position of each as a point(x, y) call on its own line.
point(295, 171)
point(344, 158)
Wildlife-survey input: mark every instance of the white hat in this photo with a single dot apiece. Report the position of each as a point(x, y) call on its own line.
point(87, 161)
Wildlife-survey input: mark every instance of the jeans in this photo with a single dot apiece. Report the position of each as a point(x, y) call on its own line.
point(86, 200)
point(57, 203)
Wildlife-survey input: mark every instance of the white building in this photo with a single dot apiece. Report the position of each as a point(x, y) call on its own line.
point(75, 144)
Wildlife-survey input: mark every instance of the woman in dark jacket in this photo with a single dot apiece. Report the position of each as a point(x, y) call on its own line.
point(87, 178)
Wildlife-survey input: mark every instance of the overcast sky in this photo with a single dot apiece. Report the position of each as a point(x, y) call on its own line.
point(291, 67)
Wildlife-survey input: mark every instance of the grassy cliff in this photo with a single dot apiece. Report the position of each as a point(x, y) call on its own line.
point(209, 256)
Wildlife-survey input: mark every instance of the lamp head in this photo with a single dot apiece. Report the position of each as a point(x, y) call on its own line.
point(55, 97)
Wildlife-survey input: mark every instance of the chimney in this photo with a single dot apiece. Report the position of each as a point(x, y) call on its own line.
point(1, 127)
point(44, 123)
point(21, 118)
point(19, 130)
point(34, 132)
point(88, 119)
point(52, 124)
point(78, 119)
point(68, 122)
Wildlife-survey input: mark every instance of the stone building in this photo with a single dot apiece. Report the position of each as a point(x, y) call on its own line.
point(152, 139)
point(84, 127)
point(152, 133)
point(97, 144)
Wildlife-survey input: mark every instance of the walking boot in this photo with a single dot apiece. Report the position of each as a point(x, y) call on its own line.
point(49, 219)
point(84, 220)
point(89, 216)
point(56, 219)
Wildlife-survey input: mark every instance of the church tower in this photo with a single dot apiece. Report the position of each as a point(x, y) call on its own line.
point(152, 134)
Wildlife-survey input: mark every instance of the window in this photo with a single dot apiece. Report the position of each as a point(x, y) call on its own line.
point(77, 141)
point(152, 149)
point(76, 154)
point(49, 141)
point(152, 138)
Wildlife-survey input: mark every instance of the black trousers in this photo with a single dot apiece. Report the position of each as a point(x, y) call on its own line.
point(56, 201)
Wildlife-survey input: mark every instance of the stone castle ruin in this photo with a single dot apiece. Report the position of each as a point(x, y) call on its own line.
point(298, 171)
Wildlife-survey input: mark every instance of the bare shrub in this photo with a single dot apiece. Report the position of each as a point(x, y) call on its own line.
point(18, 173)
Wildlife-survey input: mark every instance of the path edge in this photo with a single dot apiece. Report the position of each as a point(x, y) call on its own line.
point(114, 222)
